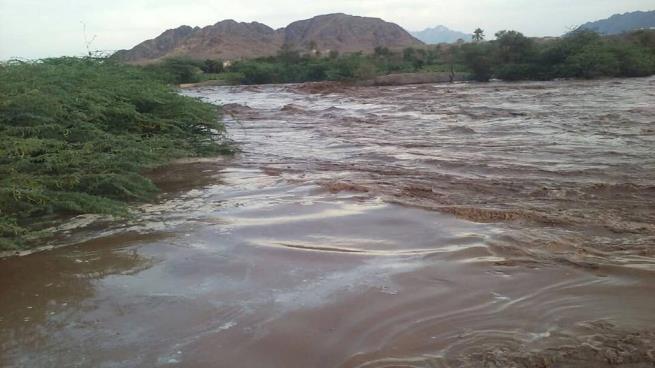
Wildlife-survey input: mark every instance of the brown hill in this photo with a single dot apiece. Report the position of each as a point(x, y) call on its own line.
point(347, 33)
point(230, 40)
point(224, 40)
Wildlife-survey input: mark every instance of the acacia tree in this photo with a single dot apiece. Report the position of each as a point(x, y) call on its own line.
point(478, 35)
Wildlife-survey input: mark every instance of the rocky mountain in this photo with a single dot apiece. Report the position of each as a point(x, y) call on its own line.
point(620, 23)
point(230, 40)
point(441, 34)
point(227, 40)
point(347, 33)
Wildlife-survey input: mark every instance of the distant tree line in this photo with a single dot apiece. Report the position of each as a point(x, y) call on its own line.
point(580, 54)
point(510, 56)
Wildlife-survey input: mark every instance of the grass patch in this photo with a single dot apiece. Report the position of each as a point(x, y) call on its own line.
point(78, 133)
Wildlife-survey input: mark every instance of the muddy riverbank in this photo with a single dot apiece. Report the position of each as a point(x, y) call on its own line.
point(492, 225)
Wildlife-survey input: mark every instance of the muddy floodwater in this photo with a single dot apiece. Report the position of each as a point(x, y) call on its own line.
point(466, 225)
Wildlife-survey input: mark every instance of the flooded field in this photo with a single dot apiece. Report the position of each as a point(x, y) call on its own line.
point(466, 225)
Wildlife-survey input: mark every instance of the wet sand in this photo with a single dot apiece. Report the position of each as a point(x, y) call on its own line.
point(496, 225)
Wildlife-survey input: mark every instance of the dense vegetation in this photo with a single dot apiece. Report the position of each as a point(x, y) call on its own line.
point(291, 66)
point(511, 56)
point(77, 134)
point(581, 54)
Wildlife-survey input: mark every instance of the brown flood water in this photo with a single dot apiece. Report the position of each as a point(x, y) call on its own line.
point(495, 225)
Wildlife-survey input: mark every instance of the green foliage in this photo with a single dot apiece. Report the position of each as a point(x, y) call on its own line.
point(477, 57)
point(478, 35)
point(511, 56)
point(444, 68)
point(290, 67)
point(513, 47)
point(258, 73)
point(592, 61)
point(634, 61)
point(581, 54)
point(180, 70)
point(212, 66)
point(644, 38)
point(333, 54)
point(77, 133)
point(417, 58)
point(351, 67)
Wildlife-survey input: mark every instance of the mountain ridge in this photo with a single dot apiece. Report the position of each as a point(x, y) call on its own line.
point(621, 23)
point(229, 39)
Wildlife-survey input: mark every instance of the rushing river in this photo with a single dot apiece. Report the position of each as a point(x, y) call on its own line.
point(481, 225)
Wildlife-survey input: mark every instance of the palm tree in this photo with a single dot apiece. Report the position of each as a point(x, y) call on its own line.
point(478, 35)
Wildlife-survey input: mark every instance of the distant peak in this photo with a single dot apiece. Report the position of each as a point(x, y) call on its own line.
point(226, 21)
point(333, 15)
point(183, 28)
point(440, 34)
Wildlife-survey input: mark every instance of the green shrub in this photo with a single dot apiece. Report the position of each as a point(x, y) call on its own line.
point(581, 54)
point(477, 57)
point(77, 133)
point(513, 47)
point(178, 70)
point(593, 61)
point(633, 61)
point(257, 73)
point(212, 66)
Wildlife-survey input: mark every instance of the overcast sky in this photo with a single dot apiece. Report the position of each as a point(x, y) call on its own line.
point(41, 28)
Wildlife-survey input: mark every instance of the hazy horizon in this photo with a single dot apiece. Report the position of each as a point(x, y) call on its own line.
point(33, 29)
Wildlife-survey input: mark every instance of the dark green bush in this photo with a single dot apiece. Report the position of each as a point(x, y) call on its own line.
point(633, 61)
point(178, 70)
point(478, 58)
point(256, 73)
point(212, 66)
point(591, 62)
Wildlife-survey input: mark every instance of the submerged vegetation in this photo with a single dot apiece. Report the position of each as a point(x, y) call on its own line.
point(78, 133)
point(510, 56)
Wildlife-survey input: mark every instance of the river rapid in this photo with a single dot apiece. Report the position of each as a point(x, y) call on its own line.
point(453, 225)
